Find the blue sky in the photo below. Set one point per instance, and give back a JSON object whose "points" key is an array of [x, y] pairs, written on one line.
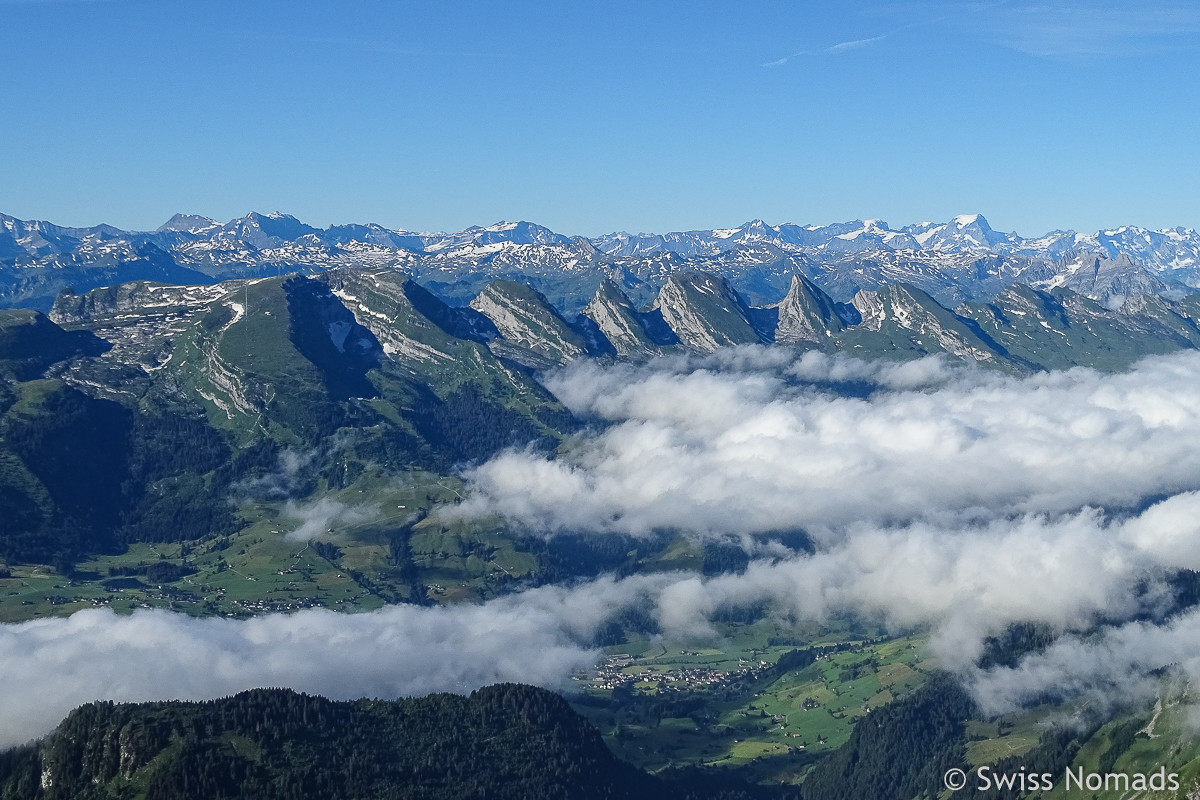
{"points": [[592, 117]]}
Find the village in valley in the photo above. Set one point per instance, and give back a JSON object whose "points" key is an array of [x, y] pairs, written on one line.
{"points": [[757, 699]]}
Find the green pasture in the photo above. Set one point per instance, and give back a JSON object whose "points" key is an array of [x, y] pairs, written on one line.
{"points": [[776, 725]]}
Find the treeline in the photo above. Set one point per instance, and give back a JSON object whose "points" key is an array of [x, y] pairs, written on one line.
{"points": [[1056, 750], [505, 741], [901, 750]]}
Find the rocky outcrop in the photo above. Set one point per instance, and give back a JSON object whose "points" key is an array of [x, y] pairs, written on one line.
{"points": [[526, 319], [619, 322], [806, 314], [705, 312]]}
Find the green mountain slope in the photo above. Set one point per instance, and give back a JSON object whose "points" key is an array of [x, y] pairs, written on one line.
{"points": [[903, 321], [1062, 329], [138, 413]]}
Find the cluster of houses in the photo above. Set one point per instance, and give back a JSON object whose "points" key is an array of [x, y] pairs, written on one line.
{"points": [[612, 674], [264, 606]]}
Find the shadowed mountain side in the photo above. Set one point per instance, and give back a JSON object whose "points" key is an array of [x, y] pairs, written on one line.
{"points": [[625, 328], [503, 741], [30, 343]]}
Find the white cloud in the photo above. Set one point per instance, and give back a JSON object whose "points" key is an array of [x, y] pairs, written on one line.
{"points": [[539, 637], [712, 449], [324, 516], [951, 498], [963, 582], [1083, 29], [1112, 668]]}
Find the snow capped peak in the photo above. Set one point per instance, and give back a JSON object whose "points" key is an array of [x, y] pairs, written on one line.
{"points": [[519, 232], [261, 230], [976, 220], [188, 223]]}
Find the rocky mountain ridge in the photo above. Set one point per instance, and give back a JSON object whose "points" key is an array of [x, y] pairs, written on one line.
{"points": [[961, 260]]}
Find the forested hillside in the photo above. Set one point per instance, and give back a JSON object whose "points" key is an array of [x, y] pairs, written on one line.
{"points": [[504, 741]]}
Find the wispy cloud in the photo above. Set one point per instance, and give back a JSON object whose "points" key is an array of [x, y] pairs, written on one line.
{"points": [[1068, 29], [842, 47], [854, 45], [1047, 29]]}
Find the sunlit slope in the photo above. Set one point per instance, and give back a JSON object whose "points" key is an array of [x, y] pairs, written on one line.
{"points": [[705, 312]]}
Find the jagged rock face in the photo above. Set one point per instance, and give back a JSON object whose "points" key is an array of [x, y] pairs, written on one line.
{"points": [[705, 312], [619, 322], [526, 319], [1108, 280], [424, 332], [806, 314], [207, 340], [905, 318], [870, 309]]}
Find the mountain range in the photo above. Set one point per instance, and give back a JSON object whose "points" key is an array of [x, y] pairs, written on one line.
{"points": [[960, 260], [200, 386], [133, 411], [130, 410]]}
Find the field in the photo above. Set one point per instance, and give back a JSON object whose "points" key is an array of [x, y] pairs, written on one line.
{"points": [[348, 565], [663, 705]]}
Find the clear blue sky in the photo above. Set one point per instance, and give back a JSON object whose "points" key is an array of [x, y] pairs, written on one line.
{"points": [[591, 117]]}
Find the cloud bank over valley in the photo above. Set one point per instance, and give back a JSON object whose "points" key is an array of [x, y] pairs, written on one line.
{"points": [[935, 496], [747, 442]]}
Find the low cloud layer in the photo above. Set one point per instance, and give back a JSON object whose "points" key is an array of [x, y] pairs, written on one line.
{"points": [[946, 497], [749, 445], [323, 515], [539, 637], [1113, 667], [966, 583]]}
